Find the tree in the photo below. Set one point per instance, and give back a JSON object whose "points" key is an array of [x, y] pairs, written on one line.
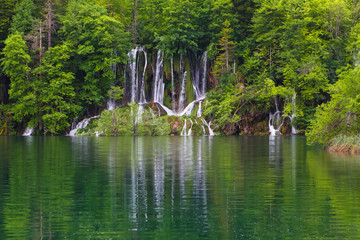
{"points": [[222, 64], [341, 114], [94, 37], [57, 95], [23, 19], [23, 87]]}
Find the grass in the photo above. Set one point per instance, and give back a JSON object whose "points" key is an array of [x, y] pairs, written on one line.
{"points": [[343, 143]]}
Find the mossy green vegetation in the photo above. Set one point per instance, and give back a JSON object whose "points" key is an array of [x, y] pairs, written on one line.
{"points": [[135, 120], [345, 144]]}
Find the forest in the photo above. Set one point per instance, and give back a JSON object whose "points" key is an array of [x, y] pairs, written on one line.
{"points": [[269, 66]]}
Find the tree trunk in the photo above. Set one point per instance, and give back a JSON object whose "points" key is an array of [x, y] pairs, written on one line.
{"points": [[49, 23], [134, 22]]}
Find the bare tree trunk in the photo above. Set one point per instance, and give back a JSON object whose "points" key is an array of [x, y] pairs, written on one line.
{"points": [[40, 43], [134, 22], [49, 22]]}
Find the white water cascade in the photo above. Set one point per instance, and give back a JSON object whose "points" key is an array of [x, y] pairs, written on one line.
{"points": [[293, 114], [159, 85], [182, 99], [81, 124], [275, 121], [136, 90], [172, 83], [110, 105], [199, 72], [28, 131]]}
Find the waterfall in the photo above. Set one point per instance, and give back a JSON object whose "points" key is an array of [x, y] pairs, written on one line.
{"points": [[28, 131], [182, 100], [81, 124], [199, 72], [275, 121], [136, 75], [211, 132], [172, 83], [293, 114], [132, 67], [183, 131], [142, 80], [199, 112], [110, 105], [158, 80], [189, 133]]}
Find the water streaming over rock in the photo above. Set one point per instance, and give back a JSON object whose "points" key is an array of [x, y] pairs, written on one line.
{"points": [[159, 85], [182, 99], [80, 125], [135, 88], [275, 120], [172, 84], [135, 84], [110, 105], [28, 131], [293, 114], [199, 74]]}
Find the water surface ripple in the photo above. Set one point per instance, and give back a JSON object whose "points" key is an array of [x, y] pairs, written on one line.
{"points": [[243, 187]]}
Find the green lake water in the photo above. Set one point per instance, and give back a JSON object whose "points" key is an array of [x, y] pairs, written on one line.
{"points": [[244, 187]]}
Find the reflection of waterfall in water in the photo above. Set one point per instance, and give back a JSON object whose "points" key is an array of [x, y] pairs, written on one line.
{"points": [[159, 179], [138, 195], [158, 167], [199, 188]]}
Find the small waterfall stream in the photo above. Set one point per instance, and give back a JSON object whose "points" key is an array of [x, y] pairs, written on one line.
{"points": [[275, 120], [136, 75], [293, 114], [158, 80], [81, 124], [28, 131]]}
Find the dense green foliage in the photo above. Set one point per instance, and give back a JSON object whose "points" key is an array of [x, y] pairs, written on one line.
{"points": [[58, 56]]}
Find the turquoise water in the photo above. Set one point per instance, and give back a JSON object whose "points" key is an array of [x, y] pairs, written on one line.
{"points": [[244, 187]]}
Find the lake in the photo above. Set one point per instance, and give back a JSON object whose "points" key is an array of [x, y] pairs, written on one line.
{"points": [[244, 187]]}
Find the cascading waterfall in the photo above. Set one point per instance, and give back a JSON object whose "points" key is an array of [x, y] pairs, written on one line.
{"points": [[199, 112], [182, 99], [172, 83], [293, 114], [81, 124], [211, 132], [199, 72], [159, 85], [136, 75], [135, 89], [110, 105], [275, 121], [28, 131], [183, 131]]}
